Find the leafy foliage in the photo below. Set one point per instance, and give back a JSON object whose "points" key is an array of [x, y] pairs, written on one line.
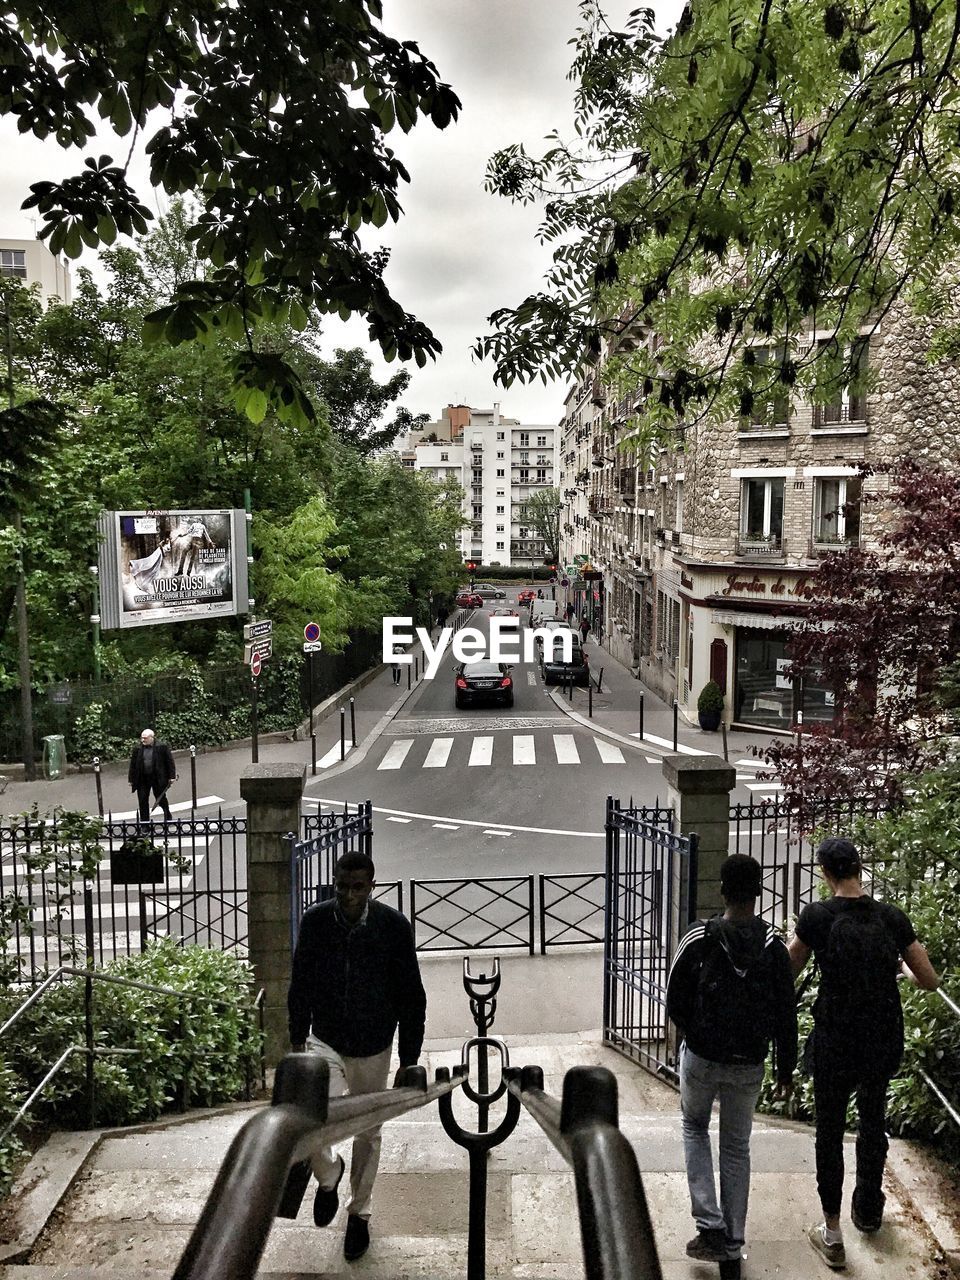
{"points": [[542, 511], [274, 118], [207, 1046], [879, 627], [764, 170]]}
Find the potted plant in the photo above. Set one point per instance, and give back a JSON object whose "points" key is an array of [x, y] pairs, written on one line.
{"points": [[710, 706]]}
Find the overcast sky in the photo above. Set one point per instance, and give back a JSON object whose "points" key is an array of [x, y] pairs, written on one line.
{"points": [[458, 253]]}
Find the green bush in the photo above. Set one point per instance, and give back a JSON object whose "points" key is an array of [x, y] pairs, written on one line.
{"points": [[212, 1042], [711, 697]]}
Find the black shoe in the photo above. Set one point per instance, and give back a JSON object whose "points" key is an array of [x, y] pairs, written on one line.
{"points": [[326, 1203], [730, 1269], [357, 1240], [868, 1223], [709, 1246]]}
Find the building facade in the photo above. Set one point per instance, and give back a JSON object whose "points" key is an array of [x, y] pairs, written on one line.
{"points": [[705, 554], [500, 463], [31, 262]]}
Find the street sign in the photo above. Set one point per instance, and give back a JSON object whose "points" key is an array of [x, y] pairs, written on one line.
{"points": [[564, 582], [312, 646], [261, 649], [257, 630], [311, 632], [256, 665]]}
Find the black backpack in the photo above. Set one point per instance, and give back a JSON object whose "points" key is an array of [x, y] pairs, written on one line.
{"points": [[859, 1004], [733, 1010]]}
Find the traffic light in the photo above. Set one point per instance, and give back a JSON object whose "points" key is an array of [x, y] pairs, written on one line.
{"points": [[471, 566]]}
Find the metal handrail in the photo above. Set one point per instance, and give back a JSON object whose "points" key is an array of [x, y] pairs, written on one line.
{"points": [[615, 1227], [931, 1084], [232, 1232]]}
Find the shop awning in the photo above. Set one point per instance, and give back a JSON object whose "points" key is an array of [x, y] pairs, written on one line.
{"points": [[761, 621]]}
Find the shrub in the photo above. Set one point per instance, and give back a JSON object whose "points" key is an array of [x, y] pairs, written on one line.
{"points": [[711, 697], [211, 1041]]}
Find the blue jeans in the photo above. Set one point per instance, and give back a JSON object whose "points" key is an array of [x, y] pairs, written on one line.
{"points": [[737, 1087]]}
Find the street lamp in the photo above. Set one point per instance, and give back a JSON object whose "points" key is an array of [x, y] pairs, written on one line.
{"points": [[23, 635]]}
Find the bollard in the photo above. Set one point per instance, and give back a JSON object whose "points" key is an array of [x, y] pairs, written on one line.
{"points": [[343, 733], [409, 678], [799, 729], [416, 666], [353, 722], [600, 681], [193, 776], [641, 717], [676, 718], [590, 700], [570, 687], [313, 754], [96, 774], [723, 734]]}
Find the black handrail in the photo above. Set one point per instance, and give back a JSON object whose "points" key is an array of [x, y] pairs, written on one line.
{"points": [[229, 1239], [615, 1227]]}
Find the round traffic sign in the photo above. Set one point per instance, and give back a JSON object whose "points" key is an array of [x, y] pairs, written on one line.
{"points": [[311, 631], [256, 665]]}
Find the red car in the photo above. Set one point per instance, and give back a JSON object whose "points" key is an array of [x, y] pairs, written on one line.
{"points": [[469, 600], [525, 597]]}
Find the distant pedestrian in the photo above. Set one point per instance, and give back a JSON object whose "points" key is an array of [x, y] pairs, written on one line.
{"points": [[569, 612], [584, 628], [355, 983], [151, 769], [442, 616], [395, 671], [729, 994], [860, 947], [539, 593]]}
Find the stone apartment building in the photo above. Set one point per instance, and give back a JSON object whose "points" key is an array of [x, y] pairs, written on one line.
{"points": [[705, 554], [499, 462], [31, 262]]}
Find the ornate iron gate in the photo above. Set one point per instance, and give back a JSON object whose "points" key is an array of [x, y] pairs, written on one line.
{"points": [[329, 834], [651, 878]]}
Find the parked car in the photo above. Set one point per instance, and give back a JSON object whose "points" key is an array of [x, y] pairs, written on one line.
{"points": [[469, 600], [551, 624], [490, 593], [483, 681], [577, 670]]}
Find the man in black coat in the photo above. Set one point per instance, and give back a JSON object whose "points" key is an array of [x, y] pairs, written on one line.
{"points": [[151, 768], [355, 981]]}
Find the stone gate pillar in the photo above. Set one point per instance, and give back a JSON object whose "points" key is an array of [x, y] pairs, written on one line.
{"points": [[698, 789], [273, 793]]}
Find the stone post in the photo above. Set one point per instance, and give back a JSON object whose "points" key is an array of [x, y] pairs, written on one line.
{"points": [[698, 789], [273, 793]]}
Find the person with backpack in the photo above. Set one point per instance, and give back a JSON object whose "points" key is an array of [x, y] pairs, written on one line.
{"points": [[860, 947], [729, 994]]}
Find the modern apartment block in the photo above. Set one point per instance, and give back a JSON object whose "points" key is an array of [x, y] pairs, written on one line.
{"points": [[499, 463], [705, 554], [31, 262]]}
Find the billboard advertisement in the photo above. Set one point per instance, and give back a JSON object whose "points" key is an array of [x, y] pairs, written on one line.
{"points": [[171, 566]]}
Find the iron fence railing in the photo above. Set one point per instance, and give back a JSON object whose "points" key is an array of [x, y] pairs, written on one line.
{"points": [[472, 914], [328, 835], [651, 896], [102, 888], [571, 909]]}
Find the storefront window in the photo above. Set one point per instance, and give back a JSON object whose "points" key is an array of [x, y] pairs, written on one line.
{"points": [[765, 694]]}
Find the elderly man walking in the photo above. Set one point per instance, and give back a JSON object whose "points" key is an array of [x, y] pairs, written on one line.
{"points": [[355, 981], [151, 769]]}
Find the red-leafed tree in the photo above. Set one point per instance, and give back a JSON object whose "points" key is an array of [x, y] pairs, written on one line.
{"points": [[883, 631]]}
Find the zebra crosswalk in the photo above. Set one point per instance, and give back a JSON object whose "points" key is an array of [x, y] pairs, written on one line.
{"points": [[485, 750]]}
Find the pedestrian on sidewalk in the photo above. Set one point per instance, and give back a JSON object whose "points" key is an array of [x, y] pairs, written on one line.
{"points": [[860, 947], [584, 628], [569, 612], [355, 981], [442, 616], [151, 769], [395, 670], [729, 994]]}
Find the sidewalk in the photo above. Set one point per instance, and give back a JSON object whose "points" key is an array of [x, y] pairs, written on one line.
{"points": [[617, 709]]}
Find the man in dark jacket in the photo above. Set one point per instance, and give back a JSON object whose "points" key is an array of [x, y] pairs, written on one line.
{"points": [[151, 768], [730, 993], [355, 981]]}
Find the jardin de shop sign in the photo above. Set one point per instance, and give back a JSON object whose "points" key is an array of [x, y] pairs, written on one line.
{"points": [[756, 586]]}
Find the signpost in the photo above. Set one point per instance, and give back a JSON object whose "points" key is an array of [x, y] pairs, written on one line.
{"points": [[257, 648], [311, 645], [257, 630]]}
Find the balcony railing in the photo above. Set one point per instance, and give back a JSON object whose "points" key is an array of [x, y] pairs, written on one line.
{"points": [[840, 415], [759, 547]]}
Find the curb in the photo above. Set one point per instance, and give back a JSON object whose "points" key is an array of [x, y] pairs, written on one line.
{"points": [[320, 712], [595, 727], [360, 753]]}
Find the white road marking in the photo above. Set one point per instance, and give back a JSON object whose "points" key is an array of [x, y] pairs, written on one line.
{"points": [[182, 806], [749, 764], [438, 754], [472, 822], [481, 751], [496, 831], [333, 755], [532, 678], [395, 819], [446, 826], [652, 759], [566, 748], [764, 786], [609, 753], [396, 754], [524, 749]]}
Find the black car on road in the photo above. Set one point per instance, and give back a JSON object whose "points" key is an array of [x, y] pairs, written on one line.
{"points": [[483, 681], [556, 671]]}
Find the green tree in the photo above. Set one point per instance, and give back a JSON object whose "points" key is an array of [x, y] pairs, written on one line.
{"points": [[356, 402], [274, 117], [542, 512], [763, 171]]}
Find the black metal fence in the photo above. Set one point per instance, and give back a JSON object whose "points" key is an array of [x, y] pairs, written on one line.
{"points": [[651, 877], [82, 886], [783, 839], [328, 834]]}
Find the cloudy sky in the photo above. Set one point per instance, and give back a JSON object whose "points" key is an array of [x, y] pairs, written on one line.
{"points": [[458, 253]]}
